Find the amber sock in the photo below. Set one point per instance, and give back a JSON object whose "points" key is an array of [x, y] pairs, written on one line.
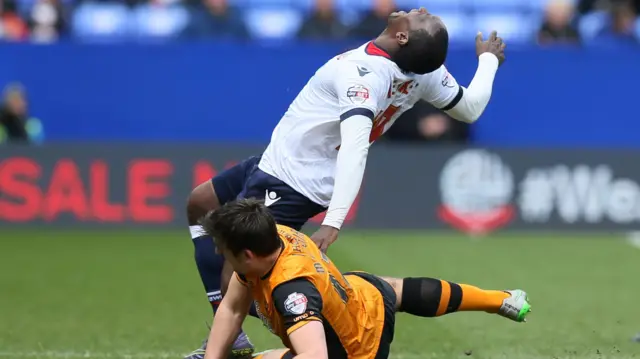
{"points": [[429, 297], [476, 299]]}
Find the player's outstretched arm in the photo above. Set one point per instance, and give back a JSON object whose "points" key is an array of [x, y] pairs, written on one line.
{"points": [[229, 318], [476, 97], [467, 104]]}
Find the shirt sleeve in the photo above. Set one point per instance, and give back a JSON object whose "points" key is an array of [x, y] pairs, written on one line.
{"points": [[441, 89], [360, 91], [298, 302]]}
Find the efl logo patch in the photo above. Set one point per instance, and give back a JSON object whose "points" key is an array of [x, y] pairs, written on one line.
{"points": [[358, 94], [296, 303]]}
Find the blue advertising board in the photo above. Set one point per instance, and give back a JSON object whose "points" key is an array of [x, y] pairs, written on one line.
{"points": [[233, 92]]}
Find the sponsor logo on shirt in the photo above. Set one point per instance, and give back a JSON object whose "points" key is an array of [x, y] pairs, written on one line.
{"points": [[303, 316]]}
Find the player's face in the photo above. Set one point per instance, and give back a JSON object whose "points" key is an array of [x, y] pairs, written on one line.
{"points": [[415, 19], [239, 262]]}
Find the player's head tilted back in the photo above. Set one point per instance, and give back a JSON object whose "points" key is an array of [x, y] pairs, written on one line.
{"points": [[417, 41], [245, 233]]}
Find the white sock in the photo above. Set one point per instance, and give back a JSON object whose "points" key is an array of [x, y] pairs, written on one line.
{"points": [[197, 231]]}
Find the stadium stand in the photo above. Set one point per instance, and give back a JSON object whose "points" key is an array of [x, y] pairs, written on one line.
{"points": [[519, 21]]}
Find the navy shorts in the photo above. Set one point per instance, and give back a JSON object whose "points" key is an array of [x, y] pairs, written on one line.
{"points": [[246, 180]]}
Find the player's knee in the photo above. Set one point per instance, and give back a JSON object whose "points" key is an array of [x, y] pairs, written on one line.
{"points": [[201, 200], [397, 285], [420, 296]]}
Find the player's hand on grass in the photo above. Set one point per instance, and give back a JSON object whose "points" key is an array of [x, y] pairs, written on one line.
{"points": [[324, 237], [494, 45]]}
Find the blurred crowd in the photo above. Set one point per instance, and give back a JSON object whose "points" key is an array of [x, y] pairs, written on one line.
{"points": [[525, 21], [605, 22]]}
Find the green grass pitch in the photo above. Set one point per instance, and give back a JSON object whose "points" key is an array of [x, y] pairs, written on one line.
{"points": [[136, 294]]}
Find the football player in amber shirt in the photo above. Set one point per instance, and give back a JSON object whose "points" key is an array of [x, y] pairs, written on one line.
{"points": [[315, 310]]}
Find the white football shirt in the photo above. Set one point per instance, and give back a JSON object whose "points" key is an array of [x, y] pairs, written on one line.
{"points": [[304, 145]]}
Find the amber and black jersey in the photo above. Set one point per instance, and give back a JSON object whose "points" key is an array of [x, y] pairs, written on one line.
{"points": [[304, 285]]}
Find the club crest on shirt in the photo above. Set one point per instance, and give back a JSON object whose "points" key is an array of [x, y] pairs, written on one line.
{"points": [[296, 303], [358, 94], [446, 81]]}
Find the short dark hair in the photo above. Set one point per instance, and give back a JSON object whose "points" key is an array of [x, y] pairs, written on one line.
{"points": [[425, 51], [244, 224]]}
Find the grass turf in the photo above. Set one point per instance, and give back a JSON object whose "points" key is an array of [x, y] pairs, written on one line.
{"points": [[136, 294]]}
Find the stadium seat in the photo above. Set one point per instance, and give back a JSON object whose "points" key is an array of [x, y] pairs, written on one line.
{"points": [[150, 21], [305, 5], [591, 24], [433, 6], [273, 23], [24, 6], [538, 6], [239, 3], [296, 4], [101, 21], [354, 5], [513, 26], [457, 24], [498, 5]]}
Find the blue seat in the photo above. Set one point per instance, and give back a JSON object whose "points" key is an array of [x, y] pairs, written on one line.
{"points": [[511, 26], [459, 26], [278, 3], [159, 22], [273, 23], [306, 5], [24, 6], [498, 5], [239, 3], [354, 5], [433, 6], [538, 5], [591, 24], [101, 21]]}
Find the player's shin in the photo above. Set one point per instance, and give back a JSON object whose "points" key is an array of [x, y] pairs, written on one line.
{"points": [[209, 264], [429, 297]]}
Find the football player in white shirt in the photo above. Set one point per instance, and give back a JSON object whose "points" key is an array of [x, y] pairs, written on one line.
{"points": [[316, 158]]}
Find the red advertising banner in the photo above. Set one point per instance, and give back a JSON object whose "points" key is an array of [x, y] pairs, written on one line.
{"points": [[105, 189], [465, 189]]}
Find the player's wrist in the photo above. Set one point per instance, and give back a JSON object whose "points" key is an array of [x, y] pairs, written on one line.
{"points": [[334, 223], [489, 59]]}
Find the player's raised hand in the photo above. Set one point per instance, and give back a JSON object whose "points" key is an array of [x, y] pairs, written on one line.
{"points": [[494, 45], [324, 237]]}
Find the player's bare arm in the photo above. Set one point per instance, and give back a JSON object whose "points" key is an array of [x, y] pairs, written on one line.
{"points": [[309, 341], [229, 318], [476, 97], [299, 304]]}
